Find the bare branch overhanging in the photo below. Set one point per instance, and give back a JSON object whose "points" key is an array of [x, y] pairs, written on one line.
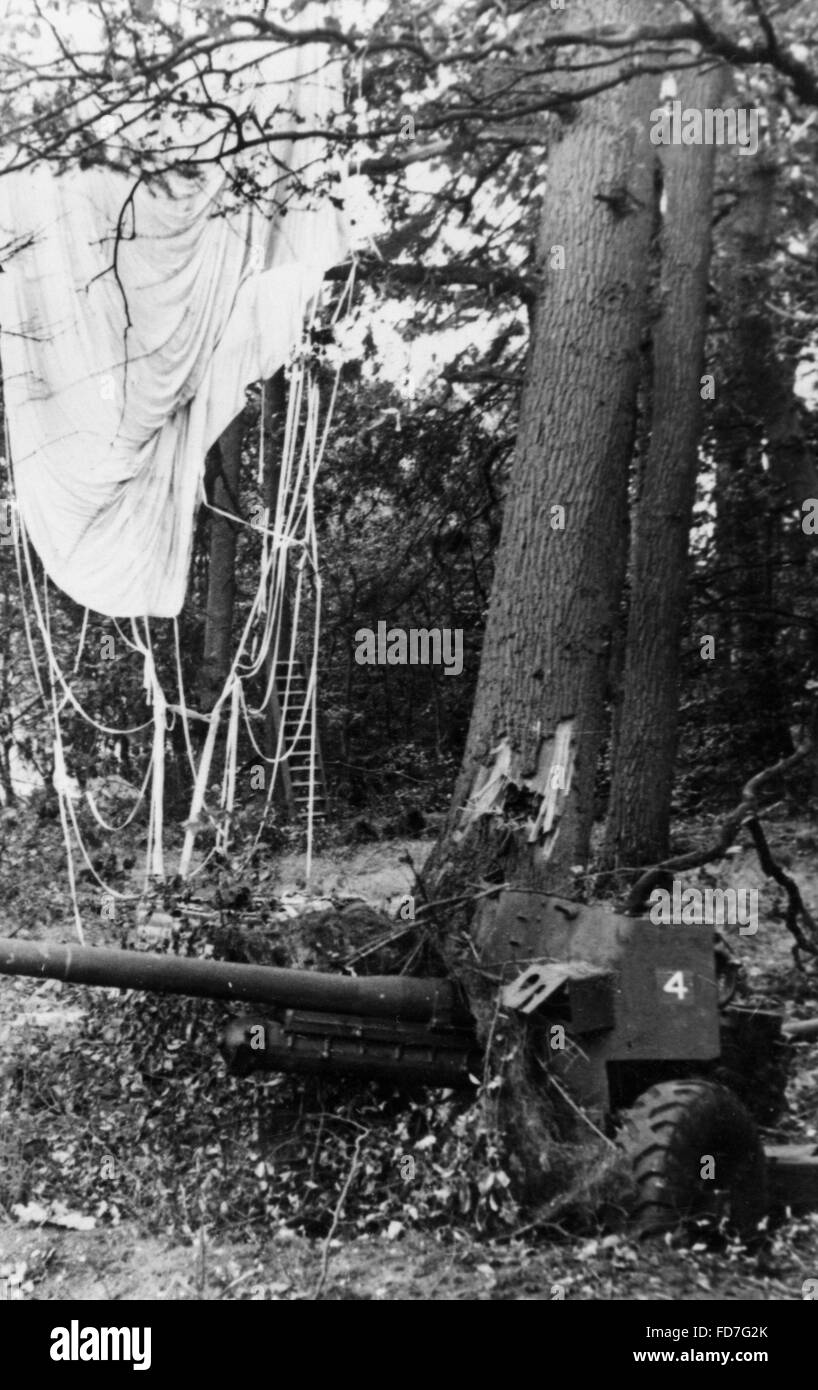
{"points": [[101, 76]]}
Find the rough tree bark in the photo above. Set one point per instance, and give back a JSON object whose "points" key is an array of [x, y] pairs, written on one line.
{"points": [[523, 804], [645, 745], [752, 403]]}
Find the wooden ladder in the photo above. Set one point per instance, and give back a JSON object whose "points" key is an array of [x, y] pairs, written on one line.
{"points": [[295, 768]]}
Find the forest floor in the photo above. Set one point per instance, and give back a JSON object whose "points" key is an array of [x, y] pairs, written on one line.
{"points": [[157, 1224]]}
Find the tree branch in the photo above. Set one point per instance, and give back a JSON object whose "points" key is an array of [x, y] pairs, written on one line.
{"points": [[500, 282], [795, 903], [743, 812]]}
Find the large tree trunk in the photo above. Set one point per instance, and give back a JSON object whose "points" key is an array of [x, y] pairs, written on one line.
{"points": [[221, 584], [523, 803], [645, 747], [750, 421]]}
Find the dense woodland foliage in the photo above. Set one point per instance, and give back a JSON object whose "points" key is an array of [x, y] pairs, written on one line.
{"points": [[450, 122], [576, 419]]}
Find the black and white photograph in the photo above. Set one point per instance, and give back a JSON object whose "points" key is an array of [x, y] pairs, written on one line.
{"points": [[409, 670]]}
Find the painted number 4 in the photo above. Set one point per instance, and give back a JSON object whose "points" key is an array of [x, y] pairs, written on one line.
{"points": [[676, 984]]}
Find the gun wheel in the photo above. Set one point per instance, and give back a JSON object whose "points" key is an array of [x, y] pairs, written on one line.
{"points": [[697, 1161]]}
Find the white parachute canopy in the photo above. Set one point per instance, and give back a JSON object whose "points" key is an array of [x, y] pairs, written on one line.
{"points": [[133, 315]]}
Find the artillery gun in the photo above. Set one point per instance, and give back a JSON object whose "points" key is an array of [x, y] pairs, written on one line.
{"points": [[638, 1027]]}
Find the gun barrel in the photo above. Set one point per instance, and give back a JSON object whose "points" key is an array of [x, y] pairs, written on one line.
{"points": [[373, 996]]}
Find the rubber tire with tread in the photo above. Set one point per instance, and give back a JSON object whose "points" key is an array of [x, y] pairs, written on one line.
{"points": [[667, 1133]]}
